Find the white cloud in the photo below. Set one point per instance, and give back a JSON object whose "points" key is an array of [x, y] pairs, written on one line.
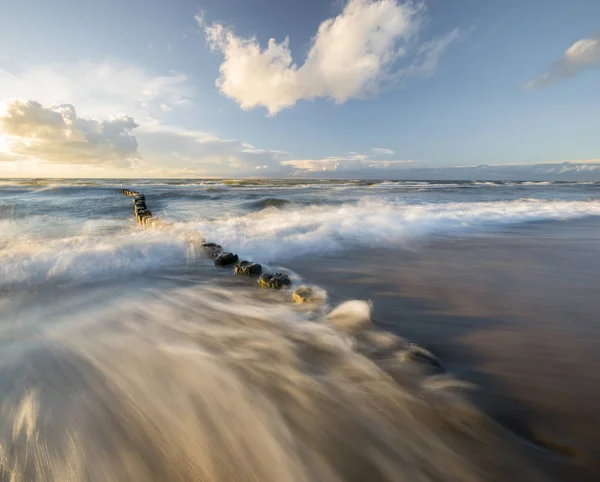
{"points": [[206, 153], [382, 152], [353, 162], [98, 89], [352, 55], [582, 54], [56, 134], [48, 135]]}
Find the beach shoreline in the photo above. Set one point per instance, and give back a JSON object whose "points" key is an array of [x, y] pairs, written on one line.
{"points": [[513, 312]]}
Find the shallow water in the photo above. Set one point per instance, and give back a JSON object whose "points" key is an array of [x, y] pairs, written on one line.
{"points": [[126, 355]]}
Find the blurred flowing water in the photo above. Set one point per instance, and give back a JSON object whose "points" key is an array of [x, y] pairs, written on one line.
{"points": [[126, 355]]}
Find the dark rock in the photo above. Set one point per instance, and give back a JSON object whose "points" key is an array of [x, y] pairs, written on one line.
{"points": [[150, 221], [248, 268], [225, 258], [211, 249], [127, 192], [302, 294], [141, 215], [275, 281]]}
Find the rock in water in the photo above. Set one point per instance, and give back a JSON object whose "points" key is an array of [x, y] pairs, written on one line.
{"points": [[248, 268], [142, 213], [127, 192], [211, 249], [302, 294], [275, 281], [225, 259], [150, 221]]}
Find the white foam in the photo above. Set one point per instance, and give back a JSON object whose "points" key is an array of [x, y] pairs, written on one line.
{"points": [[89, 253], [93, 249], [280, 234]]}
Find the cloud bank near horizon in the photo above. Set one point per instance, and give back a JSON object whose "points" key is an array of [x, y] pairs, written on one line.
{"points": [[588, 170]]}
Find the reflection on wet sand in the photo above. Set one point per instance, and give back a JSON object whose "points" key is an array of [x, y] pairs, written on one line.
{"points": [[517, 313]]}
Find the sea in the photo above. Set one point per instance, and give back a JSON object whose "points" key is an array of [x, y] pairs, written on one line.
{"points": [[453, 333]]}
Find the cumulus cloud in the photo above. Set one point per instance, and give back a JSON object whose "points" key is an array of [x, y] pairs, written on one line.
{"points": [[208, 154], [56, 134], [582, 54], [352, 55]]}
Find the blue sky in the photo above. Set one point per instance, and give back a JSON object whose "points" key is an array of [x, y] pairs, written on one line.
{"points": [[187, 88]]}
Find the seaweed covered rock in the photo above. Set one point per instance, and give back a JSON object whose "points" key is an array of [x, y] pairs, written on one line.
{"points": [[211, 249], [303, 294], [225, 259], [275, 281], [248, 268]]}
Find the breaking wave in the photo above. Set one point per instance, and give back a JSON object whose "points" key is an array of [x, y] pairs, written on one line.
{"points": [[36, 249], [276, 235]]}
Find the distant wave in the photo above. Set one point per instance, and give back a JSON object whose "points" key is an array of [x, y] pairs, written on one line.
{"points": [[252, 184], [268, 202]]}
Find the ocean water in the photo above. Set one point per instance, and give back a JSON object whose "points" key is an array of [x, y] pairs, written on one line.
{"points": [[126, 355]]}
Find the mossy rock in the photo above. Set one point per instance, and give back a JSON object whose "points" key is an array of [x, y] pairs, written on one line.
{"points": [[225, 258], [275, 281], [302, 294], [248, 268]]}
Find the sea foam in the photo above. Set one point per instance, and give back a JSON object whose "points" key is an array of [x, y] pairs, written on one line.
{"points": [[31, 250]]}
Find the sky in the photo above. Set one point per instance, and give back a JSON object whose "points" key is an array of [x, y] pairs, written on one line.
{"points": [[305, 88]]}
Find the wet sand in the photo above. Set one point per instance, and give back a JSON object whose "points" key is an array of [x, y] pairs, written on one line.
{"points": [[517, 313]]}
